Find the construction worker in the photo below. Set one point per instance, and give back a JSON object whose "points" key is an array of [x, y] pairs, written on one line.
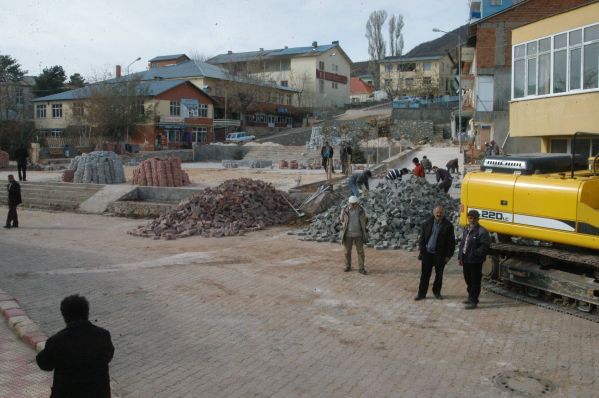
{"points": [[418, 168], [353, 230], [444, 179], [359, 181], [396, 174]]}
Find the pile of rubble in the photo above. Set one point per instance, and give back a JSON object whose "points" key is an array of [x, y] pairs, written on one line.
{"points": [[160, 173], [232, 208], [99, 167], [3, 159], [396, 211]]}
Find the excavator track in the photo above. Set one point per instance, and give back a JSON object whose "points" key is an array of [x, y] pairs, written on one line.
{"points": [[552, 278]]}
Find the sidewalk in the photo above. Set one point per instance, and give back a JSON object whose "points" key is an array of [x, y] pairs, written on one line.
{"points": [[19, 375]]}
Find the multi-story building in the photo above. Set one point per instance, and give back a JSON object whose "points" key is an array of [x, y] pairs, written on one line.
{"points": [[319, 73], [224, 102], [555, 81], [492, 72], [484, 8], [420, 76], [15, 99]]}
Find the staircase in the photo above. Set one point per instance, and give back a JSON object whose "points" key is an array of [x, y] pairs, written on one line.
{"points": [[53, 195]]}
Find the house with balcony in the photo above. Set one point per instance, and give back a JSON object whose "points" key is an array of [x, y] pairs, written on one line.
{"points": [[180, 114], [320, 74], [555, 81], [422, 76], [492, 39]]}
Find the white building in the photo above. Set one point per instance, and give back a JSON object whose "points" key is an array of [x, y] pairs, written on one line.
{"points": [[320, 73]]}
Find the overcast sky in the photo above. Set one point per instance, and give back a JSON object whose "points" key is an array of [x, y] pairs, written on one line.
{"points": [[91, 36]]}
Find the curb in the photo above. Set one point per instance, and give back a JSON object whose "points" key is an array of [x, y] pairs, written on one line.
{"points": [[17, 320]]}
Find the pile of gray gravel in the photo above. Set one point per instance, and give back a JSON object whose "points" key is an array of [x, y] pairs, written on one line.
{"points": [[396, 211], [98, 167]]}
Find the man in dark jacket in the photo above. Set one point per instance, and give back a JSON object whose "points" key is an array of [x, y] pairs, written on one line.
{"points": [[21, 156], [436, 244], [346, 158], [444, 179], [359, 181], [14, 199], [474, 247], [78, 354], [327, 157]]}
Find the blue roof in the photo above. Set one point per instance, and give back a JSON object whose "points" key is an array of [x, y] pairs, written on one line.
{"points": [[168, 57], [265, 54], [145, 88]]}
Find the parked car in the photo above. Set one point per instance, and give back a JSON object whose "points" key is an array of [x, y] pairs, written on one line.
{"points": [[239, 137]]}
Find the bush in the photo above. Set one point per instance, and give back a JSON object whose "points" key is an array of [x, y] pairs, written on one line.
{"points": [[357, 155]]}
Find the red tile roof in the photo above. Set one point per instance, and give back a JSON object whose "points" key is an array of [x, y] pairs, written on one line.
{"points": [[357, 86]]}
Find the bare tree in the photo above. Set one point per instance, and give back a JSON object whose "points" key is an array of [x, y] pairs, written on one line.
{"points": [[396, 25], [197, 56], [376, 42]]}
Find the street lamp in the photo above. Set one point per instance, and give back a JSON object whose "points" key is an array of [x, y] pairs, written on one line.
{"points": [[459, 82], [128, 110]]}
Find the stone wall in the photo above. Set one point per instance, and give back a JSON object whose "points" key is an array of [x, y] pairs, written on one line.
{"points": [[219, 152], [413, 129]]}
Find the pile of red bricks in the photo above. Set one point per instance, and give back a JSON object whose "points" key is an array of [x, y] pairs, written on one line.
{"points": [[230, 209], [160, 173], [3, 159], [68, 175]]}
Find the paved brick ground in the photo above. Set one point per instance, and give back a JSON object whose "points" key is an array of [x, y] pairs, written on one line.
{"points": [[19, 375], [267, 315]]}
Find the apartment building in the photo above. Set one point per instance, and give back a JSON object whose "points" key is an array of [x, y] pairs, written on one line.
{"points": [[555, 81], [419, 76], [319, 73]]}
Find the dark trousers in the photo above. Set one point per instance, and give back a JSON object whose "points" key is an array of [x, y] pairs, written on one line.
{"points": [[430, 261], [473, 275], [445, 185], [22, 169], [12, 216]]}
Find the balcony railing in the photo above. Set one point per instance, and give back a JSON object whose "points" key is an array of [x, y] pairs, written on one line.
{"points": [[226, 123]]}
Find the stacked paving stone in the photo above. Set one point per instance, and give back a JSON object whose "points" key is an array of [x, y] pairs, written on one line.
{"points": [[396, 211], [99, 167], [230, 209], [159, 172], [3, 159]]}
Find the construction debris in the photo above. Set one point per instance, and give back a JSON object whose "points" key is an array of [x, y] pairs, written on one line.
{"points": [[99, 167], [159, 172], [3, 159], [230, 209], [396, 211]]}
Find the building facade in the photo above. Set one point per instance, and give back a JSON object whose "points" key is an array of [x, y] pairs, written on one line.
{"points": [[320, 74], [555, 81], [417, 76]]}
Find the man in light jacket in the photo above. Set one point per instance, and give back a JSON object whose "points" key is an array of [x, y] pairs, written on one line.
{"points": [[353, 231]]}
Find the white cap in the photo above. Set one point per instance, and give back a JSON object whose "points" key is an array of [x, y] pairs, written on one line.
{"points": [[353, 199]]}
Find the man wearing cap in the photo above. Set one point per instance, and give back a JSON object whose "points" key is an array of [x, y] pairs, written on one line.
{"points": [[353, 230], [474, 247], [436, 244]]}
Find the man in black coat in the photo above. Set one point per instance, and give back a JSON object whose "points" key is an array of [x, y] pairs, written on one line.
{"points": [[79, 354], [436, 244], [474, 247], [444, 179], [21, 156], [14, 199]]}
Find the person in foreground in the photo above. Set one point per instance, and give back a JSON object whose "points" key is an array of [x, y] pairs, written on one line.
{"points": [[79, 354], [436, 244], [353, 230], [474, 247]]}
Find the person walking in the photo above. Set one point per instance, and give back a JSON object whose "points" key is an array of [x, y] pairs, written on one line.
{"points": [[345, 157], [436, 245], [326, 152], [14, 199], [418, 168], [353, 231], [21, 156], [359, 181], [474, 246], [444, 179], [79, 354]]}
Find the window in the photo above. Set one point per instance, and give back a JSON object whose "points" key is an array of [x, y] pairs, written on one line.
{"points": [[19, 96], [409, 82], [427, 80], [203, 110], [173, 135], [335, 68], [388, 68], [321, 86], [595, 147], [495, 2], [583, 147], [40, 111], [427, 66], [289, 99], [140, 108], [284, 83], [56, 111], [55, 133], [175, 108], [559, 146], [321, 65], [77, 109], [562, 63], [200, 135], [285, 64], [406, 67], [334, 85]]}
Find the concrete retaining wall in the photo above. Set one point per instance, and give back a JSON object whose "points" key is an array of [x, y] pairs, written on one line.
{"points": [[219, 152]]}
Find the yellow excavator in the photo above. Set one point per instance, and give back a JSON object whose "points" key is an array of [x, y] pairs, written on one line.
{"points": [[544, 210]]}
